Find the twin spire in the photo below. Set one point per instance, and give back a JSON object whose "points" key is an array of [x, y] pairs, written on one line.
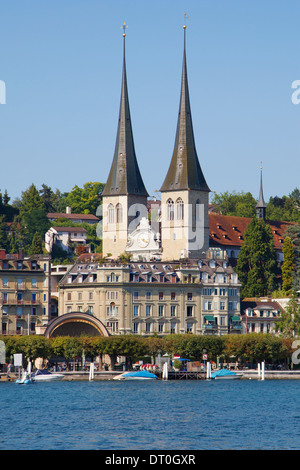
{"points": [[184, 172]]}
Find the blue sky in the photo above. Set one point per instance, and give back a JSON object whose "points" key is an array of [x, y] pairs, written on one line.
{"points": [[61, 62]]}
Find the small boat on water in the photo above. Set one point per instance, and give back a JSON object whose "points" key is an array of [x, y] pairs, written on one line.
{"points": [[226, 374], [43, 375], [138, 375], [26, 379]]}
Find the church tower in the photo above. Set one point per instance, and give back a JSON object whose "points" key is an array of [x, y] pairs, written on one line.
{"points": [[124, 198], [184, 193], [261, 205]]}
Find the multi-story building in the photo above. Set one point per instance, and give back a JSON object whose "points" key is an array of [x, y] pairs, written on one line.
{"points": [[260, 315], [200, 297], [24, 293]]}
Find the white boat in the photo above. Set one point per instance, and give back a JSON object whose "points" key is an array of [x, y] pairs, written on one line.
{"points": [[139, 375], [225, 374], [43, 375]]}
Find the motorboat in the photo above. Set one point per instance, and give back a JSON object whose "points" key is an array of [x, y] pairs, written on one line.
{"points": [[226, 374], [43, 375], [138, 375]]}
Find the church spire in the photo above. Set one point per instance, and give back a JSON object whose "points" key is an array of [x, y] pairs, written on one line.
{"points": [[184, 172], [124, 177], [261, 205]]}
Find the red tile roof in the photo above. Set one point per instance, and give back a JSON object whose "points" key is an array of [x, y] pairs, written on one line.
{"points": [[63, 215], [229, 230]]}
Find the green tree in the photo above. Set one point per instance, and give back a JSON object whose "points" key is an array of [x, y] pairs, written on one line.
{"points": [[237, 204], [256, 264], [294, 233], [85, 200], [4, 242], [289, 322], [288, 265], [37, 245]]}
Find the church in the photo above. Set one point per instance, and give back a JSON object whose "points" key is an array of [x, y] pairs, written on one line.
{"points": [[184, 227], [158, 274]]}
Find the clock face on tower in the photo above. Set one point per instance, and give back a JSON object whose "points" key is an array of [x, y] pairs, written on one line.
{"points": [[143, 239]]}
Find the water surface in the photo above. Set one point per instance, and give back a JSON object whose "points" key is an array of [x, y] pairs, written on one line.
{"points": [[159, 415]]}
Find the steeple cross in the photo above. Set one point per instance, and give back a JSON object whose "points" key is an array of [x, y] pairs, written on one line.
{"points": [[124, 27]]}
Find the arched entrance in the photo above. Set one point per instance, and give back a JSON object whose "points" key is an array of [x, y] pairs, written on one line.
{"points": [[75, 324]]}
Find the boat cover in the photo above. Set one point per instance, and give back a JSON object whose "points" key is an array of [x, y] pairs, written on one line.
{"points": [[141, 373], [222, 373]]}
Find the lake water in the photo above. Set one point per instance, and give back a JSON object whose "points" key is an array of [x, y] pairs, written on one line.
{"points": [[159, 415]]}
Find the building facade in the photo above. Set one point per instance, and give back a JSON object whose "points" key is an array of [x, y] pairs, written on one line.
{"points": [[24, 293], [200, 297]]}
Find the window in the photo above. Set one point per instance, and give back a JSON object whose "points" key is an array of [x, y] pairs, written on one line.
{"points": [[19, 297], [148, 327], [135, 295], [119, 214], [33, 297], [173, 310], [91, 309], [160, 327], [79, 295], [190, 296], [33, 282], [206, 291], [173, 295], [20, 283], [223, 321], [136, 309], [19, 311], [148, 295], [222, 291], [111, 214], [170, 209], [160, 310], [148, 310], [135, 327], [189, 311], [33, 310], [91, 295], [179, 209], [172, 328], [189, 327], [160, 296], [207, 305], [233, 292], [4, 310], [222, 305], [4, 297]]}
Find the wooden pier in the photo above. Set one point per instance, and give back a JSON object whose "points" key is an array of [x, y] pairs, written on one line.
{"points": [[184, 375]]}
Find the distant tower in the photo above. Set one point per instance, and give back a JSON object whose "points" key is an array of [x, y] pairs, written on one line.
{"points": [[184, 193], [261, 206], [124, 196]]}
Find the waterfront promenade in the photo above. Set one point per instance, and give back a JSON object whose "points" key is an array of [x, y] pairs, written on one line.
{"points": [[248, 374]]}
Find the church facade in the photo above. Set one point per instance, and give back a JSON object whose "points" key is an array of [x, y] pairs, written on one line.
{"points": [[156, 276]]}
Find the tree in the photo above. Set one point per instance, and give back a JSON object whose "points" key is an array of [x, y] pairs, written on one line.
{"points": [[287, 267], [4, 242], [289, 322], [236, 204], [256, 264], [37, 245], [85, 200], [294, 233]]}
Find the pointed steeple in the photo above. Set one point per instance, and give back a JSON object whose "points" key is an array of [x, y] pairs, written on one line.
{"points": [[124, 177], [261, 205], [184, 172]]}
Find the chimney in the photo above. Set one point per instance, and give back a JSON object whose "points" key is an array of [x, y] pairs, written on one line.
{"points": [[68, 210]]}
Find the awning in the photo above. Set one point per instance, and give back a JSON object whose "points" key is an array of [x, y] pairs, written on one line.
{"points": [[235, 318], [209, 318]]}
